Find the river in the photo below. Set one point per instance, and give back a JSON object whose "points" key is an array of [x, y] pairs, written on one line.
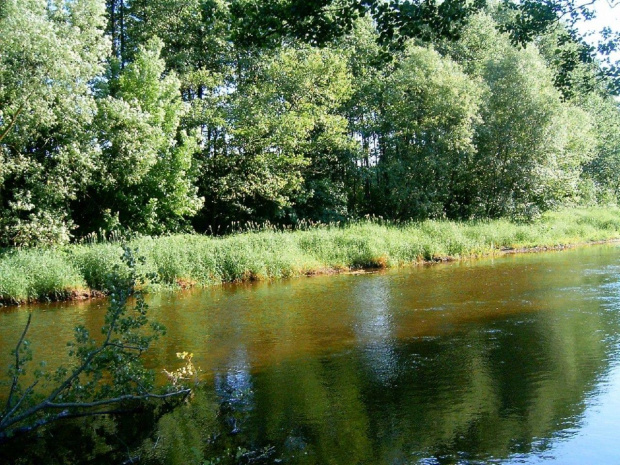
{"points": [[506, 360]]}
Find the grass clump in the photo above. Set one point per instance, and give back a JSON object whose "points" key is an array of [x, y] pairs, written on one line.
{"points": [[259, 254], [38, 274]]}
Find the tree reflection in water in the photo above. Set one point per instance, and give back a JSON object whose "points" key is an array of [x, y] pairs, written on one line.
{"points": [[503, 366]]}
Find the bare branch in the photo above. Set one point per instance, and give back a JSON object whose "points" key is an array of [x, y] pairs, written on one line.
{"points": [[127, 347], [115, 400]]}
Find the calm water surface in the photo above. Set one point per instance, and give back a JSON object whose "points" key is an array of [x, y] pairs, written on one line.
{"points": [[512, 360]]}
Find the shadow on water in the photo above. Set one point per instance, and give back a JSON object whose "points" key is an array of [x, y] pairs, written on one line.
{"points": [[512, 360]]}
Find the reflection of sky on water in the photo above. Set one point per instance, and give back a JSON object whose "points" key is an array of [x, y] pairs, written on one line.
{"points": [[374, 327], [595, 439], [235, 384], [594, 436]]}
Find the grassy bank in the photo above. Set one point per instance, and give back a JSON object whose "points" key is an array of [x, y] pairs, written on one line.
{"points": [[187, 260]]}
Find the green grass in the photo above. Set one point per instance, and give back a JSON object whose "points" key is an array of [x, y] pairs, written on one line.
{"points": [[186, 260], [27, 275]]}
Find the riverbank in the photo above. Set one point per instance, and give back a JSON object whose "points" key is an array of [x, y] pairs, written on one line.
{"points": [[79, 271]]}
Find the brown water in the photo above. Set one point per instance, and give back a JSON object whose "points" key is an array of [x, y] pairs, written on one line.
{"points": [[512, 360]]}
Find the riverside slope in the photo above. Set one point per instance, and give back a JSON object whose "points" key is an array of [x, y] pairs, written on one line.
{"points": [[80, 270]]}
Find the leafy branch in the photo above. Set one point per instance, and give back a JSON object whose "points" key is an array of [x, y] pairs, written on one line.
{"points": [[104, 374]]}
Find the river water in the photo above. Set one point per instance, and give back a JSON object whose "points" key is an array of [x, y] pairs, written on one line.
{"points": [[506, 360]]}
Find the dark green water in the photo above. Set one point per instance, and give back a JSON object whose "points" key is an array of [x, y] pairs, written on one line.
{"points": [[513, 360]]}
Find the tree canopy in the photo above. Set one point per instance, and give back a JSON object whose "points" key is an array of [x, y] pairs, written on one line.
{"points": [[165, 116]]}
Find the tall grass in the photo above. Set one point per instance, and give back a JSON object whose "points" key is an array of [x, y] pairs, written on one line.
{"points": [[27, 275], [267, 253]]}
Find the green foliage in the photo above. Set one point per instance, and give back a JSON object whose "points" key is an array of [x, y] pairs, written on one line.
{"points": [[152, 117], [195, 32], [531, 146], [49, 55], [265, 23], [287, 111], [515, 140], [556, 21], [575, 72], [604, 167], [283, 127], [146, 174], [431, 108]]}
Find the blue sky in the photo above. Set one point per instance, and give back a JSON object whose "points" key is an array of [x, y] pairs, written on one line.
{"points": [[606, 16]]}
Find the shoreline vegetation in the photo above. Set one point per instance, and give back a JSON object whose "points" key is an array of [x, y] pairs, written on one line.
{"points": [[80, 271]]}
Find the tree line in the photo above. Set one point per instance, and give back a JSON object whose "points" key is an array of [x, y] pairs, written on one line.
{"points": [[162, 116]]}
